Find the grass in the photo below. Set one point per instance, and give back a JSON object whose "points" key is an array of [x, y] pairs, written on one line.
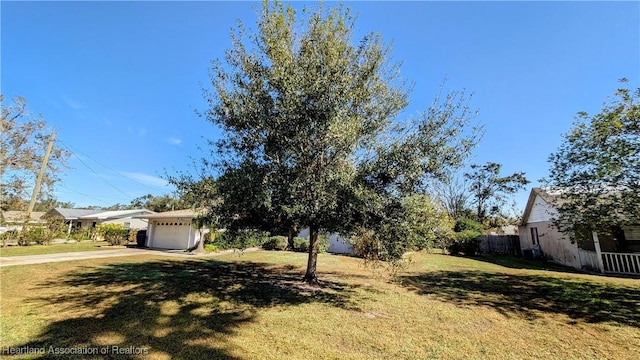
{"points": [[55, 248], [254, 306]]}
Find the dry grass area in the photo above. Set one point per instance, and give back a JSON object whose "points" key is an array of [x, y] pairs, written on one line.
{"points": [[253, 306]]}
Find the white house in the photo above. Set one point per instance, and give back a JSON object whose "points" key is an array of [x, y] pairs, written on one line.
{"points": [[337, 243], [14, 220], [127, 218], [69, 216], [82, 218], [172, 230], [618, 252]]}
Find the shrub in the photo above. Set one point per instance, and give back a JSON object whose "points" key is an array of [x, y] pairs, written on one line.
{"points": [[366, 245], [5, 237], [114, 234], [240, 239], [222, 240], [132, 236], [211, 248], [466, 235], [79, 234], [207, 237], [465, 242], [40, 234], [323, 243], [300, 244], [471, 247], [9, 235], [465, 238], [463, 224], [33, 234], [275, 243], [454, 248]]}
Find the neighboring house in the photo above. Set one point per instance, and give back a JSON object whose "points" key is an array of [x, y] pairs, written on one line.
{"points": [[617, 253], [13, 220], [69, 216], [172, 230], [506, 230], [129, 219], [337, 244], [82, 218]]}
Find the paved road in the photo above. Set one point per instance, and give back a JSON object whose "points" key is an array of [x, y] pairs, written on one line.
{"points": [[81, 255], [84, 255]]}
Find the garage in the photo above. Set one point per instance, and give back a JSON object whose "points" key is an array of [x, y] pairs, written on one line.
{"points": [[172, 234], [172, 230]]}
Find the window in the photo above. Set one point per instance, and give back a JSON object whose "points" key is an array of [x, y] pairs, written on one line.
{"points": [[79, 224], [534, 236], [93, 224]]}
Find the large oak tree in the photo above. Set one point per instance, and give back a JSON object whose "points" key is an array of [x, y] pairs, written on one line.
{"points": [[310, 130], [596, 170]]}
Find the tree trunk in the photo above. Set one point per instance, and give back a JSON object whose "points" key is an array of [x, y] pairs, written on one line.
{"points": [[310, 277], [200, 248], [293, 231], [481, 212]]}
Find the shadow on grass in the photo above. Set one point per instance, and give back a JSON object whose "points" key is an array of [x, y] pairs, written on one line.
{"points": [[173, 309], [514, 262], [531, 295]]}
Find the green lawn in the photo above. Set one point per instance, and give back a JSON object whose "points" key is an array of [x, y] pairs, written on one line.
{"points": [[55, 248], [253, 306]]}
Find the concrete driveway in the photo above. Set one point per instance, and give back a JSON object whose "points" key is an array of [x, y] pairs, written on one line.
{"points": [[84, 255]]}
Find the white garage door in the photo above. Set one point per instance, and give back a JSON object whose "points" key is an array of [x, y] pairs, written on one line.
{"points": [[171, 235]]}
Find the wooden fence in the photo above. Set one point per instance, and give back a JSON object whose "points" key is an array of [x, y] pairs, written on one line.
{"points": [[500, 244]]}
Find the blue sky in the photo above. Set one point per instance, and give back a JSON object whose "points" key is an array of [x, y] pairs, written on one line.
{"points": [[120, 81]]}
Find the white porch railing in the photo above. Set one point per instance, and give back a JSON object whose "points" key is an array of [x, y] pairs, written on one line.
{"points": [[623, 263], [620, 263]]}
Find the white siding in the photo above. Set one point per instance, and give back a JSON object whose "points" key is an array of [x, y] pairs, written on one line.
{"points": [[139, 224], [541, 211], [338, 245], [552, 244]]}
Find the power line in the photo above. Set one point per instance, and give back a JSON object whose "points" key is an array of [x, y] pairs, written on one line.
{"points": [[89, 196], [100, 176], [107, 167]]}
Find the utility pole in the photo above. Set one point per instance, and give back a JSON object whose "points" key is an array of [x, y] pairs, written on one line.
{"points": [[43, 169]]}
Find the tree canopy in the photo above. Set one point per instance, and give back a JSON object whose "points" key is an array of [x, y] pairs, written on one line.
{"points": [[158, 203], [23, 141], [490, 189], [453, 191], [596, 170], [311, 130]]}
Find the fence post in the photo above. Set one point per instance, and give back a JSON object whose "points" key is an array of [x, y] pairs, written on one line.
{"points": [[596, 244]]}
